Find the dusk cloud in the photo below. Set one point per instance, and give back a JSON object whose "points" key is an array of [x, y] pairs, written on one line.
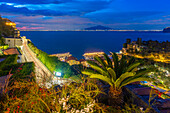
{"points": [[35, 1], [78, 14], [26, 11]]}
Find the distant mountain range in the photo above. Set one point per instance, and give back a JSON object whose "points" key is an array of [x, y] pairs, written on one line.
{"points": [[166, 30], [99, 27]]}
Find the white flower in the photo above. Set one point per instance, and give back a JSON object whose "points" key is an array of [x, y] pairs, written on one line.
{"points": [[141, 109], [77, 111]]}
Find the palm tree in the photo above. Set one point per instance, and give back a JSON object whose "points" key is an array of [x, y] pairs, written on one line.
{"points": [[117, 74]]}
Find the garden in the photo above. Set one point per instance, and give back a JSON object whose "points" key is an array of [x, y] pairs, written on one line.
{"points": [[101, 90]]}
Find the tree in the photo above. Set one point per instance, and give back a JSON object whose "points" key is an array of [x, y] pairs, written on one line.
{"points": [[2, 41], [117, 74], [125, 45], [139, 41], [128, 41]]}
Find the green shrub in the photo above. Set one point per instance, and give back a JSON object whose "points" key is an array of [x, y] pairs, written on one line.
{"points": [[19, 71], [29, 97], [4, 47], [51, 62], [11, 59]]}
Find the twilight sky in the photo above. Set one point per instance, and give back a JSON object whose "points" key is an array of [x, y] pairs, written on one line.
{"points": [[79, 14]]}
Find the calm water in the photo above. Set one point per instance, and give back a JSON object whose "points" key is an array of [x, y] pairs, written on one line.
{"points": [[79, 42]]}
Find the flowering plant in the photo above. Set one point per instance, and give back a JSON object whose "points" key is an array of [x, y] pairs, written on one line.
{"points": [[73, 97]]}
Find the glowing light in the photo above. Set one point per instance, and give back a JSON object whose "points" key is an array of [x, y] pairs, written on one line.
{"points": [[10, 23], [57, 74]]}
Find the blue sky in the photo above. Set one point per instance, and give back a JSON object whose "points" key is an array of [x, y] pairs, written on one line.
{"points": [[79, 14]]}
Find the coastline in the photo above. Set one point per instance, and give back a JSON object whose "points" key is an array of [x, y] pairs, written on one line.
{"points": [[100, 30], [80, 42]]}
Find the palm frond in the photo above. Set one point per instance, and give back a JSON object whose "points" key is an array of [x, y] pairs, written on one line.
{"points": [[112, 73], [101, 77], [123, 77], [109, 62], [131, 61], [116, 63], [122, 65], [97, 68], [100, 61], [89, 72], [144, 71], [132, 66], [130, 80]]}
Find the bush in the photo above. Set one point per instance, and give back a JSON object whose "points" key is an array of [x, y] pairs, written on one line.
{"points": [[11, 59], [19, 71], [70, 98], [52, 63], [4, 47]]}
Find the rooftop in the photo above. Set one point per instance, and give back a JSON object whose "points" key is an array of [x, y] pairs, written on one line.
{"points": [[71, 58], [12, 51], [62, 54]]}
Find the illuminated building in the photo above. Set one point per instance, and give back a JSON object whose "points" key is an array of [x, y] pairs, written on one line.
{"points": [[11, 24], [83, 62], [62, 56], [90, 56], [16, 33], [15, 40], [72, 60]]}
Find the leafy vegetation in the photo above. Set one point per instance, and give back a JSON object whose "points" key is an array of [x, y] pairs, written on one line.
{"points": [[70, 98], [52, 63], [4, 47], [122, 73], [27, 96], [19, 71], [11, 59]]}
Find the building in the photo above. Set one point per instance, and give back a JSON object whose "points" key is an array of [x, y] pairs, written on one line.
{"points": [[124, 50], [62, 56], [13, 42], [12, 51], [90, 56], [16, 33], [72, 61], [13, 25], [84, 62]]}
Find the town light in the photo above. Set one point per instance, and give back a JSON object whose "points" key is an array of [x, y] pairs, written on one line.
{"points": [[10, 23], [57, 74]]}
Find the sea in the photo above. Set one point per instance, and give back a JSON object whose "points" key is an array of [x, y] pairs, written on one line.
{"points": [[80, 42]]}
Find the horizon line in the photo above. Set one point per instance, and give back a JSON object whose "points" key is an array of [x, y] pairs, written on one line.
{"points": [[93, 30]]}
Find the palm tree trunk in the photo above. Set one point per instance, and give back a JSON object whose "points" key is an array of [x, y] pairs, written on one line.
{"points": [[115, 97]]}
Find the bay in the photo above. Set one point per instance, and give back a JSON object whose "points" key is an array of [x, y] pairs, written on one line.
{"points": [[79, 42]]}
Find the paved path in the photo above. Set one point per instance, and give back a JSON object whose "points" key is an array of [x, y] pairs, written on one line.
{"points": [[41, 71]]}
